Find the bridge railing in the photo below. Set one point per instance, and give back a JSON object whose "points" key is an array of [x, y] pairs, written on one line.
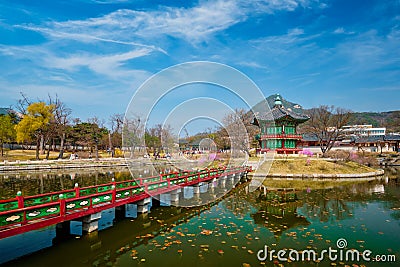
{"points": [[23, 210]]}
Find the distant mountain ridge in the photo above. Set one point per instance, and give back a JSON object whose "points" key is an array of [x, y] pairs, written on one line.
{"points": [[271, 102], [388, 119]]}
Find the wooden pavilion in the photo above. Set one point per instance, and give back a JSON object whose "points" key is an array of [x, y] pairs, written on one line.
{"points": [[279, 129]]}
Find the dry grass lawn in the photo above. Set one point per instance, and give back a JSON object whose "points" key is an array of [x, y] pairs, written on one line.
{"points": [[317, 166]]}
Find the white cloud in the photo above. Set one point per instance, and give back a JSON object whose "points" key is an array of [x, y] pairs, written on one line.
{"points": [[195, 24], [295, 32], [254, 64], [107, 64], [339, 30]]}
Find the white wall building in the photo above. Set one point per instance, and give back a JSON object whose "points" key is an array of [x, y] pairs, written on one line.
{"points": [[363, 130]]}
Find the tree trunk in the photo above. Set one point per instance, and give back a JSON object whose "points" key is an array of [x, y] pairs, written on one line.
{"points": [[2, 149], [37, 147], [97, 151], [110, 144], [60, 156], [48, 153], [41, 144], [132, 151]]}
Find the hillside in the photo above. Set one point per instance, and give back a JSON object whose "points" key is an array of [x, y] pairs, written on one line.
{"points": [[271, 101], [390, 119]]}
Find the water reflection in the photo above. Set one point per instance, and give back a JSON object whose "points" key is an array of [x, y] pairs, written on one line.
{"points": [[230, 231]]}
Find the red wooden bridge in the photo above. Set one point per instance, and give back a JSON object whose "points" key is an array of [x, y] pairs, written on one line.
{"points": [[23, 214]]}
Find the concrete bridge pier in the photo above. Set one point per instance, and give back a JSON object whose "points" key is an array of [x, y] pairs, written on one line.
{"points": [[222, 182], [211, 186], [143, 205], [90, 222], [212, 183], [196, 189], [230, 181], [130, 210], [174, 196], [237, 178]]}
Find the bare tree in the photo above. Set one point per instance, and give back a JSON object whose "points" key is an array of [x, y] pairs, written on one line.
{"points": [[326, 124], [133, 133], [115, 135], [97, 130], [117, 121], [167, 137], [239, 129], [61, 119], [23, 104]]}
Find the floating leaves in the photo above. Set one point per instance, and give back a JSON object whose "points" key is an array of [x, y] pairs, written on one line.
{"points": [[206, 232]]}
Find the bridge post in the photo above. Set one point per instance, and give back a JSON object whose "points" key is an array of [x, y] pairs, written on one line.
{"points": [[174, 195], [236, 179], [222, 181], [196, 189], [62, 204], [212, 183], [76, 190], [143, 205], [90, 222], [20, 199]]}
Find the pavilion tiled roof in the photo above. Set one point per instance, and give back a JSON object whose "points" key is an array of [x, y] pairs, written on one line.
{"points": [[374, 139], [392, 137], [369, 139], [279, 112]]}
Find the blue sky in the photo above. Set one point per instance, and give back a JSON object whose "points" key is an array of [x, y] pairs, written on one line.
{"points": [[95, 53]]}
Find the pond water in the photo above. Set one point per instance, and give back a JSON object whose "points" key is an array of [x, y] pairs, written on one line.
{"points": [[236, 230]]}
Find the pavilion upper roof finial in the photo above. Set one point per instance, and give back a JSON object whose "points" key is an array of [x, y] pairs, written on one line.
{"points": [[278, 102]]}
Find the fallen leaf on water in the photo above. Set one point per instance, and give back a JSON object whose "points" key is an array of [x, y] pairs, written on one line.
{"points": [[206, 232]]}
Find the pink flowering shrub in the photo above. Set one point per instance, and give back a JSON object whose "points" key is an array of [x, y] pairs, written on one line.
{"points": [[307, 152]]}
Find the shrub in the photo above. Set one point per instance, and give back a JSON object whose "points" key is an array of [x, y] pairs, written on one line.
{"points": [[339, 154], [307, 152]]}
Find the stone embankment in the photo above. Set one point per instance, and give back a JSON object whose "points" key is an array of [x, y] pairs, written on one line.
{"points": [[392, 160], [321, 176], [63, 164]]}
